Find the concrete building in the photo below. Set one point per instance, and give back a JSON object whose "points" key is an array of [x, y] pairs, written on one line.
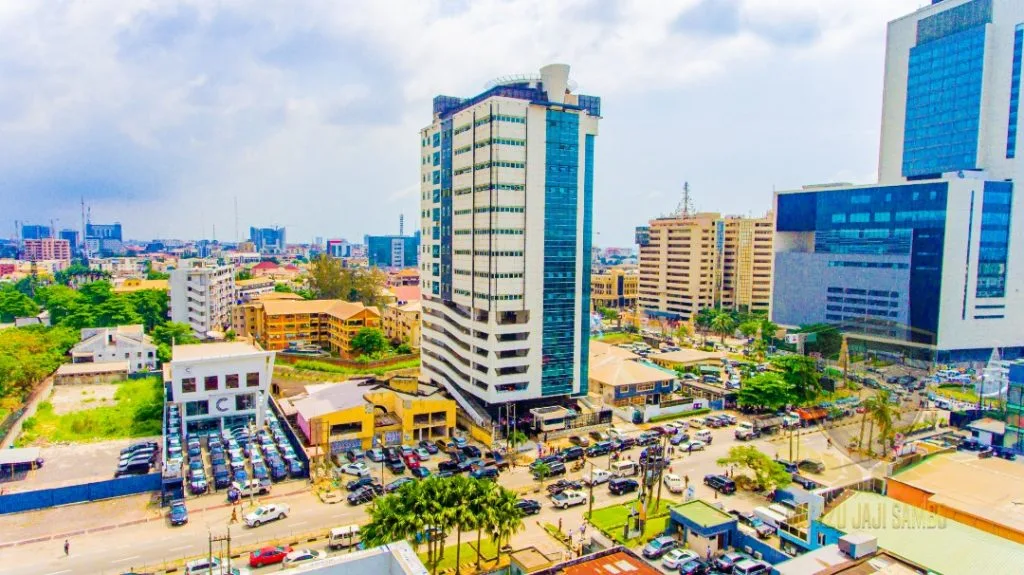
{"points": [[614, 289], [507, 204], [359, 415], [397, 558], [248, 290], [104, 240], [279, 323], [124, 343], [202, 293], [1013, 433], [693, 262], [47, 249], [401, 322], [619, 379], [130, 285], [220, 384], [268, 240], [72, 237], [393, 251], [920, 263], [35, 232]]}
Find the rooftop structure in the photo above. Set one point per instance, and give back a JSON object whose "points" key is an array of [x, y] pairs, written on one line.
{"points": [[397, 558]]}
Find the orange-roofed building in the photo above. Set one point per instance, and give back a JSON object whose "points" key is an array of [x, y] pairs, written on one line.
{"points": [[329, 323]]}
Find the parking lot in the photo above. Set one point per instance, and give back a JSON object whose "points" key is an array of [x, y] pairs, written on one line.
{"points": [[72, 464]]}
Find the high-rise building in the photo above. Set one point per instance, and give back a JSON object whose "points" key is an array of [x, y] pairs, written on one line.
{"points": [[104, 239], [690, 262], [34, 232], [923, 263], [393, 251], [507, 200], [72, 237], [268, 240], [339, 248], [201, 294], [47, 249]]}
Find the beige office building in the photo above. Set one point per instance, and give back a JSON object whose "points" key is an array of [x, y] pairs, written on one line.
{"points": [[705, 260]]}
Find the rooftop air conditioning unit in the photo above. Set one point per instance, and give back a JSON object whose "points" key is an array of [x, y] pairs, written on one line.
{"points": [[858, 545]]}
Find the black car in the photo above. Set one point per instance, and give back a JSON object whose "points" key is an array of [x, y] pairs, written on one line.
{"points": [[131, 449], [599, 449], [471, 451], [804, 482], [693, 567], [625, 443], [572, 453], [132, 468], [221, 477], [528, 506], [363, 495], [360, 483], [789, 465], [720, 483], [430, 447], [485, 473], [448, 466], [392, 454], [621, 485], [724, 562], [563, 485], [1005, 453], [647, 438], [554, 469], [396, 466], [548, 459], [970, 444]]}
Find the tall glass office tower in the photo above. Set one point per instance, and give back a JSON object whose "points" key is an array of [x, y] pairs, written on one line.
{"points": [[926, 263], [507, 200]]}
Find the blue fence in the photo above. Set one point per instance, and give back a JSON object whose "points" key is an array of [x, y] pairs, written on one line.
{"points": [[768, 553], [43, 498]]}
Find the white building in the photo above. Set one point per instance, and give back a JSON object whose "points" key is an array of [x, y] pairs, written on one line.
{"points": [[202, 293], [923, 263], [124, 343], [248, 290], [507, 202], [220, 384]]}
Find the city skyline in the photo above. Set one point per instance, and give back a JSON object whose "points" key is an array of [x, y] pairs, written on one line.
{"points": [[197, 135]]}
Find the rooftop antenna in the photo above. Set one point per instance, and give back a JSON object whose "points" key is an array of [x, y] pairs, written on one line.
{"points": [[82, 245], [685, 207]]}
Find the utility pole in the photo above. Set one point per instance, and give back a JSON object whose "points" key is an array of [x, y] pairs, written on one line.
{"points": [[222, 539], [590, 500], [661, 468]]}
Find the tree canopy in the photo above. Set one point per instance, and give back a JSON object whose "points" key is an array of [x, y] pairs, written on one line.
{"points": [[27, 354], [767, 474], [369, 341], [14, 304], [328, 279], [801, 373], [765, 390]]}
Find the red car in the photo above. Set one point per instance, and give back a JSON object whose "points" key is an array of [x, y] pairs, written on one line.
{"points": [[412, 461], [268, 556], [659, 430]]}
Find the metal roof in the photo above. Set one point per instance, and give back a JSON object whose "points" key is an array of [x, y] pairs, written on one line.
{"points": [[18, 455]]}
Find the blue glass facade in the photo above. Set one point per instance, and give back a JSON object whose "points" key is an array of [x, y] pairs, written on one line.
{"points": [[995, 239], [944, 84], [1011, 129], [890, 222], [588, 242], [560, 212], [445, 181], [379, 250]]}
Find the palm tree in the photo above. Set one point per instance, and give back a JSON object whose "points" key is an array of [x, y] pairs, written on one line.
{"points": [[462, 516], [508, 518], [541, 472], [481, 505], [682, 332], [703, 323], [723, 324]]}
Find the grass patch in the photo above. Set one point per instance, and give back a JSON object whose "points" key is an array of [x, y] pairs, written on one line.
{"points": [[618, 337], [610, 520], [965, 394], [668, 416], [467, 556], [137, 412], [324, 367]]}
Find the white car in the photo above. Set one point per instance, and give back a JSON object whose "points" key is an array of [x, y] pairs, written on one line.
{"points": [[597, 476], [567, 499], [266, 513], [251, 487], [359, 469], [677, 557], [673, 483], [303, 556], [676, 425], [691, 446]]}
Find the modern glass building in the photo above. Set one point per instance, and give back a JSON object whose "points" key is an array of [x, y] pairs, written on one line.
{"points": [[268, 240], [925, 262], [393, 251], [507, 200]]}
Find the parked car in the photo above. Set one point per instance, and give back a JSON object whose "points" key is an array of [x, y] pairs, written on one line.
{"points": [[303, 556], [804, 482], [788, 465], [646, 438], [811, 465], [622, 485], [567, 499], [132, 468], [579, 441], [251, 487], [751, 567], [485, 473], [599, 449], [692, 445], [673, 483], [471, 451], [563, 485], [266, 513], [422, 454], [554, 469], [178, 514], [675, 558], [203, 565], [528, 506], [548, 459], [659, 546], [397, 484], [360, 482], [572, 453], [720, 483], [679, 438], [353, 455], [693, 567], [724, 562], [364, 494], [599, 436], [375, 455], [268, 556], [395, 466], [596, 476], [430, 447]]}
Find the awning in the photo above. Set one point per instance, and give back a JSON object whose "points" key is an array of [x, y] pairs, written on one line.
{"points": [[18, 455]]}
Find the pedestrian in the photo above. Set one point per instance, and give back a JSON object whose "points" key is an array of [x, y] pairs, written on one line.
{"points": [[234, 515], [709, 553], [689, 449], [559, 524], [67, 547], [686, 480]]}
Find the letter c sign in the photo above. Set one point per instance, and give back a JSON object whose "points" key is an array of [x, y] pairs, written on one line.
{"points": [[221, 405]]}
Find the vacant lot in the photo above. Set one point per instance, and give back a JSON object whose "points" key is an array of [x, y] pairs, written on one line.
{"points": [[70, 398], [134, 410]]}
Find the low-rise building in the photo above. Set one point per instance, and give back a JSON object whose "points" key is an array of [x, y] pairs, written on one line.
{"points": [[219, 384], [360, 414], [130, 285], [250, 289], [401, 323], [278, 323], [124, 343], [395, 558], [614, 289], [619, 379], [685, 358]]}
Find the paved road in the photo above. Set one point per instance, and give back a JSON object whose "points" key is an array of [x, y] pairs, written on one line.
{"points": [[116, 549]]}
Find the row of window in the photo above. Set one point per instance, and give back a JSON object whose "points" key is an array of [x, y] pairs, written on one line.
{"points": [[212, 382], [499, 164], [879, 265], [489, 188], [494, 253], [858, 291], [490, 232], [243, 402], [494, 209]]}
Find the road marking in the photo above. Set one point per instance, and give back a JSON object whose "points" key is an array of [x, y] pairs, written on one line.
{"points": [[179, 548], [126, 559]]}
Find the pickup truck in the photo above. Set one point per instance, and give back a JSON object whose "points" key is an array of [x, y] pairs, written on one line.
{"points": [[596, 477], [745, 432], [251, 487]]}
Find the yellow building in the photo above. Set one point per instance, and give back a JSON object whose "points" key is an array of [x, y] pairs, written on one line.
{"points": [[137, 284], [615, 289], [351, 414], [401, 323], [329, 323], [692, 262]]}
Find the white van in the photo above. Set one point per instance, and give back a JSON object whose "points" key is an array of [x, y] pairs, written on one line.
{"points": [[596, 476], [750, 567], [346, 536], [616, 433], [703, 435], [623, 468]]}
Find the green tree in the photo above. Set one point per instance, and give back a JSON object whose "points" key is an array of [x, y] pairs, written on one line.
{"points": [[723, 325], [682, 332], [174, 332], [15, 304], [28, 354], [328, 279], [767, 474], [828, 340], [768, 330], [767, 390], [152, 275], [882, 412], [369, 341], [243, 275], [703, 322], [151, 305], [283, 288], [749, 328], [97, 292], [117, 310], [61, 301], [508, 519], [801, 373], [403, 348], [541, 472]]}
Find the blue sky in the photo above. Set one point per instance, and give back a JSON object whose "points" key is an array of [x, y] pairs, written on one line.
{"points": [[163, 113]]}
